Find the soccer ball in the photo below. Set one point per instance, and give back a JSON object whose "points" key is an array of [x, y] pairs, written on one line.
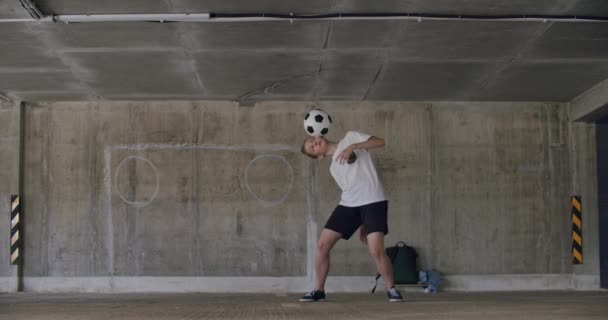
{"points": [[317, 123]]}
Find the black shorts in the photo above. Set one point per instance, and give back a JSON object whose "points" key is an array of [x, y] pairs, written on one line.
{"points": [[346, 220]]}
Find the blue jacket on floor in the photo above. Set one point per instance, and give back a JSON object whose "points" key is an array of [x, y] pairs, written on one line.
{"points": [[432, 279]]}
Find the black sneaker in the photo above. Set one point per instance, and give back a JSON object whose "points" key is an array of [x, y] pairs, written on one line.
{"points": [[314, 295], [394, 295]]}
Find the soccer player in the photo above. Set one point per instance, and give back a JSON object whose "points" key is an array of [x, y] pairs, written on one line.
{"points": [[362, 206]]}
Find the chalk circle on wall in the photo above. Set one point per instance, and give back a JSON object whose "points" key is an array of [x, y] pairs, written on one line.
{"points": [[269, 178], [145, 177]]}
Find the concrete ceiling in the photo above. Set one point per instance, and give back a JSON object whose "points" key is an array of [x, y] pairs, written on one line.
{"points": [[304, 60]]}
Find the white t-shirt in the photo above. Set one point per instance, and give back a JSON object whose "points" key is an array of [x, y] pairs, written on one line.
{"points": [[359, 181]]}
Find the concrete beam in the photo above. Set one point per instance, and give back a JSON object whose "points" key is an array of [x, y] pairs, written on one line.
{"points": [[590, 105]]}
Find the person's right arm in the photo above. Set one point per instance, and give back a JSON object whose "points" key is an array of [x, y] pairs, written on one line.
{"points": [[371, 143]]}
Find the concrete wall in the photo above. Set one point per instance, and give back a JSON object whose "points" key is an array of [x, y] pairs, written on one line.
{"points": [[214, 189], [180, 205], [477, 188]]}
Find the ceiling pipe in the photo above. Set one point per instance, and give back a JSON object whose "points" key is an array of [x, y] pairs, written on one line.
{"points": [[32, 9], [212, 17], [412, 18], [169, 17], [4, 98], [19, 20]]}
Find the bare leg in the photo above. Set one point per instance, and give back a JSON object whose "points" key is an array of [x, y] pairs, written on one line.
{"points": [[375, 244], [326, 242]]}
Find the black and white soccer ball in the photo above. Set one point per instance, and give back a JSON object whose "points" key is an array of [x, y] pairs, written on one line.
{"points": [[317, 123]]}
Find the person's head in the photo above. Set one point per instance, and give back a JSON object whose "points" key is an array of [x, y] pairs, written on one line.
{"points": [[315, 147]]}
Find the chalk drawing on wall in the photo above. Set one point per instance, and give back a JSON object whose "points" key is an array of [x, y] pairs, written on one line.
{"points": [[272, 160], [149, 173], [146, 169]]}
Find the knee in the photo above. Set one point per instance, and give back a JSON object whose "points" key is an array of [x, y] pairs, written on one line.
{"points": [[377, 253], [323, 247]]}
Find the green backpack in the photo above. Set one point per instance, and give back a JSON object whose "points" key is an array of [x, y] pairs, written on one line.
{"points": [[403, 258]]}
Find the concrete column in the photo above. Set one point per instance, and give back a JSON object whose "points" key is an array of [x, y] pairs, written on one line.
{"points": [[602, 176], [584, 184], [9, 184]]}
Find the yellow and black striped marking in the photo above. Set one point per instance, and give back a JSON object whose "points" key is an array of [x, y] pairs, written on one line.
{"points": [[577, 231], [15, 217]]}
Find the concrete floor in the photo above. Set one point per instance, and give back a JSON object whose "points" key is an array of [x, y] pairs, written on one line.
{"points": [[528, 305]]}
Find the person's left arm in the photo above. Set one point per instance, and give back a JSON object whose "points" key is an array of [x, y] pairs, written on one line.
{"points": [[371, 143]]}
